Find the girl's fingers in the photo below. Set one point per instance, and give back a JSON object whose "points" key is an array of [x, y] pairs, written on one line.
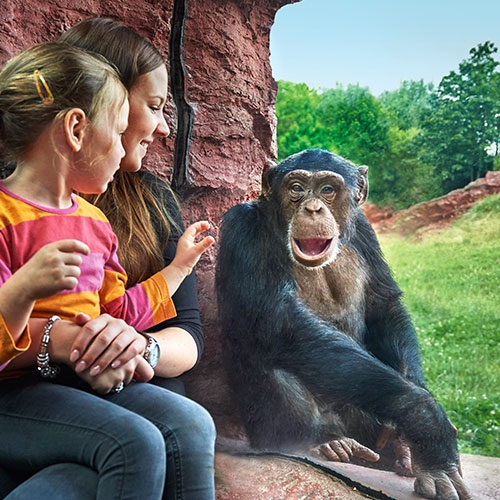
{"points": [[72, 246]]}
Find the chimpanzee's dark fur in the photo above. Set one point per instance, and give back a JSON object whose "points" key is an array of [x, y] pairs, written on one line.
{"points": [[297, 379]]}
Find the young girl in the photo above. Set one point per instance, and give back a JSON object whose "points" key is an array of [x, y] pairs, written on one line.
{"points": [[62, 115]]}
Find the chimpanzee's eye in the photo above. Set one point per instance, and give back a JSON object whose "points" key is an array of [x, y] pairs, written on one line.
{"points": [[327, 191], [296, 191]]}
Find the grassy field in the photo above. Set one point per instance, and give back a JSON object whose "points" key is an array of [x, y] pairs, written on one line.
{"points": [[451, 282]]}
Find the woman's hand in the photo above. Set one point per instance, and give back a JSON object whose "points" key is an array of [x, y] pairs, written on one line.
{"points": [[112, 377], [105, 342], [189, 251], [65, 334], [187, 255]]}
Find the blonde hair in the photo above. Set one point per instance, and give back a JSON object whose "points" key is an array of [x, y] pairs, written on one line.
{"points": [[143, 225], [43, 82]]}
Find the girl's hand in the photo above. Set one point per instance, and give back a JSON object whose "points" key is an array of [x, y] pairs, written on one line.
{"points": [[54, 268], [104, 342]]}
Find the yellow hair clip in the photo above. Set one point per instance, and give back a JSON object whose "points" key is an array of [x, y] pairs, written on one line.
{"points": [[46, 99]]}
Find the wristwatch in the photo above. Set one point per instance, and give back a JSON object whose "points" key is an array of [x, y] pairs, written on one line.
{"points": [[152, 351]]}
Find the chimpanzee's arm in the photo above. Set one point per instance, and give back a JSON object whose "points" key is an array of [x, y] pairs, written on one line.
{"points": [[390, 336], [252, 266]]}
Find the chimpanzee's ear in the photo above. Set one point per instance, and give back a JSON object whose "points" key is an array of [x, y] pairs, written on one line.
{"points": [[361, 193], [266, 181]]}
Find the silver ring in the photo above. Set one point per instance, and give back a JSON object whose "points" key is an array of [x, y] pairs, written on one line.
{"points": [[118, 388]]}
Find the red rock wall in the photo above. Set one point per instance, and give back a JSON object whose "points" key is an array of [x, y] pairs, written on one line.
{"points": [[233, 92], [222, 128]]}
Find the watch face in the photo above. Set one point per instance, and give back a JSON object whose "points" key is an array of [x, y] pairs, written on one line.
{"points": [[154, 354]]}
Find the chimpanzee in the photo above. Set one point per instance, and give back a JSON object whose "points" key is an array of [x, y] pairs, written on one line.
{"points": [[319, 350]]}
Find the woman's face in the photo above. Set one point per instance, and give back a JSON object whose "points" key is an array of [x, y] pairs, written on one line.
{"points": [[146, 119]]}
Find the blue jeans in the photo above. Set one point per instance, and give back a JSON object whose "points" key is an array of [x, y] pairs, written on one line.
{"points": [[60, 481], [144, 443]]}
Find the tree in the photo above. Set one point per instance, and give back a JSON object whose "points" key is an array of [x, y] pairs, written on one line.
{"points": [[463, 120], [419, 142], [407, 179], [353, 123], [297, 122], [406, 106], [355, 127]]}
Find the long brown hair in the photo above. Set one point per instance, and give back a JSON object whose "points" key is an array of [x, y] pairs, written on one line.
{"points": [[129, 203]]}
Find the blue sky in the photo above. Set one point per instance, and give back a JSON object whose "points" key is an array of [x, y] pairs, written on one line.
{"points": [[378, 43]]}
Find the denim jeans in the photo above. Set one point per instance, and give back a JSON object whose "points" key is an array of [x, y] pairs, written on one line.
{"points": [[145, 442], [61, 481]]}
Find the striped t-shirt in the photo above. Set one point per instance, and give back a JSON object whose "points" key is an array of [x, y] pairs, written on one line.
{"points": [[25, 227]]}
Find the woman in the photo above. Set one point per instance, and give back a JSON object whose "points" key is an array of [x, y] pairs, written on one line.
{"points": [[141, 209]]}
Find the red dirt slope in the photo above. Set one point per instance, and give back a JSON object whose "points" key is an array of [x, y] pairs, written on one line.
{"points": [[435, 214]]}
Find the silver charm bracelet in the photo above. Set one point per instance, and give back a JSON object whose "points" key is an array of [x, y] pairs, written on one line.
{"points": [[42, 360]]}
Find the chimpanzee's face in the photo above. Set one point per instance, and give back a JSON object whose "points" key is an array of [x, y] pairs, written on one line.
{"points": [[316, 207]]}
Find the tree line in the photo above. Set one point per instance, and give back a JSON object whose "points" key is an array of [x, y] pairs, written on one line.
{"points": [[418, 141]]}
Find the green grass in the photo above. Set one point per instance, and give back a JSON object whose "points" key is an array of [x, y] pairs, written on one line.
{"points": [[451, 282]]}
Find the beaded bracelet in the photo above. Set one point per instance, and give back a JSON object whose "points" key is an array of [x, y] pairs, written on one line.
{"points": [[42, 360]]}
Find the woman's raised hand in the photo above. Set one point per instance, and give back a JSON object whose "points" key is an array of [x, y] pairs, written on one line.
{"points": [[188, 250], [187, 255]]}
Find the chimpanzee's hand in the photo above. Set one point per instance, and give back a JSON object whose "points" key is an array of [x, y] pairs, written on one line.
{"points": [[402, 465], [441, 485], [343, 449]]}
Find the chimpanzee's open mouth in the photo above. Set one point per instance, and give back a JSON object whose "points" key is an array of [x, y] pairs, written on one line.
{"points": [[311, 248]]}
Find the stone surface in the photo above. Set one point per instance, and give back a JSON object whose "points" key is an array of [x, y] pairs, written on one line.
{"points": [[279, 478], [268, 477]]}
